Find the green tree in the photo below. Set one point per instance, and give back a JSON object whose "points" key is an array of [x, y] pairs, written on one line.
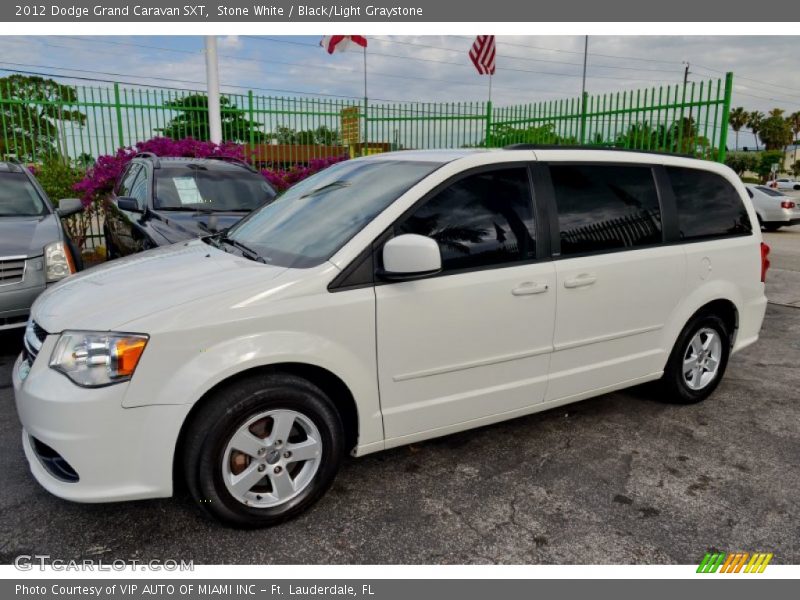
{"points": [[742, 162], [767, 159], [738, 119], [776, 132], [794, 124], [192, 121], [32, 111], [321, 136], [796, 168], [754, 121]]}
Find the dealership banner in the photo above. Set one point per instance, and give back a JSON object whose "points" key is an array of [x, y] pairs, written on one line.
{"points": [[409, 11], [392, 589]]}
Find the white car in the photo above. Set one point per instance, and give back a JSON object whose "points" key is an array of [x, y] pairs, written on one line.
{"points": [[384, 301], [784, 184], [774, 209]]}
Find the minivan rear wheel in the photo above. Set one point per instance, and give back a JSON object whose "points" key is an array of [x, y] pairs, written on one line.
{"points": [[697, 362], [262, 450]]}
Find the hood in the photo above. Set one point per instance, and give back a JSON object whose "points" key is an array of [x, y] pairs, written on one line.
{"points": [[27, 236], [177, 226], [126, 289]]}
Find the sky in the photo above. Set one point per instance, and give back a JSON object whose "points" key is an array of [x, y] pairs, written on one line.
{"points": [[426, 68]]}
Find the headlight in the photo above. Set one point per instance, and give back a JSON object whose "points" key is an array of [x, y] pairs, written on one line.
{"points": [[97, 358], [57, 261]]}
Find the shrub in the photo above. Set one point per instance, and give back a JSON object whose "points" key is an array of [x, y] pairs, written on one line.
{"points": [[741, 162], [282, 179], [100, 178]]}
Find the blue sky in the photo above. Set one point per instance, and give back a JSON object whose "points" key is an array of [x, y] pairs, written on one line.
{"points": [[426, 68]]}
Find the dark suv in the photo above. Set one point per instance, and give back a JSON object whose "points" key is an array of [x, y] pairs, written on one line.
{"points": [[163, 200]]}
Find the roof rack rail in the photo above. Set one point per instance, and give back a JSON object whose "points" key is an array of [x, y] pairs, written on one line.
{"points": [[152, 156], [523, 146], [234, 161]]}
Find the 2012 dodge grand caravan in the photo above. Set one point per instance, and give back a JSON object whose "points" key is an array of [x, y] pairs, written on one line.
{"points": [[383, 301]]}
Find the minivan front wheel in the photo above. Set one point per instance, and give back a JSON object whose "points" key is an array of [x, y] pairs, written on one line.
{"points": [[698, 360], [263, 450]]}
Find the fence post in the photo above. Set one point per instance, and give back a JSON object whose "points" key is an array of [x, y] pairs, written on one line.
{"points": [[583, 117], [251, 115], [489, 141], [118, 106], [726, 111]]}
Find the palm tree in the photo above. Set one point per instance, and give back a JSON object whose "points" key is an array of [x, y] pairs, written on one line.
{"points": [[754, 120], [738, 119], [776, 112], [794, 123]]}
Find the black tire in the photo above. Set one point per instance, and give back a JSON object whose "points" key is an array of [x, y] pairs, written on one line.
{"points": [[111, 251], [223, 414], [772, 226], [797, 187], [673, 386]]}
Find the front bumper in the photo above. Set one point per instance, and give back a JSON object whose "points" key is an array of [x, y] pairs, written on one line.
{"points": [[117, 453]]}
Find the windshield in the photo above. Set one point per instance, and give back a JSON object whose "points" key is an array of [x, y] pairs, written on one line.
{"points": [[18, 197], [312, 220], [769, 191], [198, 188]]}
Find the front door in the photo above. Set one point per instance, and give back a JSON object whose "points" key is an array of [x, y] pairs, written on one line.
{"points": [[473, 343]]}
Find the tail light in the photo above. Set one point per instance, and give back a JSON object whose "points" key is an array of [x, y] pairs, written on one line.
{"points": [[787, 204], [764, 261]]}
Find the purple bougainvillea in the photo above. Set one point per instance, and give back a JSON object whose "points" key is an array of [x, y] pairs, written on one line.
{"points": [[100, 178]]}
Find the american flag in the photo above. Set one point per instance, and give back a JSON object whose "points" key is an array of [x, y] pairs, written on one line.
{"points": [[482, 54], [339, 43]]}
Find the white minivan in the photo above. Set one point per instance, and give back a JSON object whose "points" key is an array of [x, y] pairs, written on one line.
{"points": [[383, 301]]}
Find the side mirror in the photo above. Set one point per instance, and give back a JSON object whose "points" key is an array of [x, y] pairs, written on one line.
{"points": [[128, 204], [410, 256], [69, 206]]}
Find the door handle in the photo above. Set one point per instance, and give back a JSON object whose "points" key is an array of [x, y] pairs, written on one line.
{"points": [[581, 280], [529, 288]]}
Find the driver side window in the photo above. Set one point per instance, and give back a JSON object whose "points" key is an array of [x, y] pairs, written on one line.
{"points": [[139, 188], [481, 220]]}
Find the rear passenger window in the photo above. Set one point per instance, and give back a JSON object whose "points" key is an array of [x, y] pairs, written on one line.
{"points": [[483, 219], [708, 205], [605, 207]]}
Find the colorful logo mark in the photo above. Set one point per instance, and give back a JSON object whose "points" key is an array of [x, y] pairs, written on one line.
{"points": [[736, 562]]}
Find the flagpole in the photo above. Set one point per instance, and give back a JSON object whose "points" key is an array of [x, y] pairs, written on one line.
{"points": [[490, 86], [365, 98]]}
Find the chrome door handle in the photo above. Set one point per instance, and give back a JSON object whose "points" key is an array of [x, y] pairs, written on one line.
{"points": [[530, 287], [581, 280]]}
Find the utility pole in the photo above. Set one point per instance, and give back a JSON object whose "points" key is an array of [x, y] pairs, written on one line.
{"points": [[212, 85], [685, 73], [585, 57]]}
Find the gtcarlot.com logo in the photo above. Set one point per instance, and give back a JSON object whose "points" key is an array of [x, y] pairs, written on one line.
{"points": [[734, 562]]}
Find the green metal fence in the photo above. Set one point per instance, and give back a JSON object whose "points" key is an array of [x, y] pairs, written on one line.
{"points": [[42, 120]]}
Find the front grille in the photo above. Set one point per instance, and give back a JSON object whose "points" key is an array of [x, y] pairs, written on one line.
{"points": [[12, 270], [33, 340]]}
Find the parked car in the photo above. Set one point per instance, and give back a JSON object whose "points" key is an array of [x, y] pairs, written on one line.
{"points": [[34, 250], [163, 200], [774, 209], [784, 184], [383, 301]]}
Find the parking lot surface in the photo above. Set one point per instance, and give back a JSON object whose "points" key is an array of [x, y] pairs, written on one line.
{"points": [[615, 479]]}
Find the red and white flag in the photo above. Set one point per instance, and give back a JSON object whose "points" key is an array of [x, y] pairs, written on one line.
{"points": [[340, 43], [482, 54]]}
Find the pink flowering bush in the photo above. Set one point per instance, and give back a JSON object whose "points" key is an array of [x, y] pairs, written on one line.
{"points": [[283, 179], [100, 178]]}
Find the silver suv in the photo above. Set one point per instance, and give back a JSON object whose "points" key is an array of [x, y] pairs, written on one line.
{"points": [[34, 250]]}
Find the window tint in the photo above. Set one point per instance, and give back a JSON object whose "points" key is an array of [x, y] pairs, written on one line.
{"points": [[708, 205], [211, 189], [483, 219], [124, 188], [769, 191], [139, 188], [18, 197], [605, 207]]}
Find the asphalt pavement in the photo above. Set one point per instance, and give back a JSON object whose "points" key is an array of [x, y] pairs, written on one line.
{"points": [[615, 479]]}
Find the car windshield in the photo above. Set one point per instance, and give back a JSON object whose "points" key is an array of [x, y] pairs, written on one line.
{"points": [[769, 191], [196, 187], [313, 219], [18, 197]]}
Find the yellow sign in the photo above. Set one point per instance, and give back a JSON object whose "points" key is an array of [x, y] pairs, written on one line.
{"points": [[351, 125]]}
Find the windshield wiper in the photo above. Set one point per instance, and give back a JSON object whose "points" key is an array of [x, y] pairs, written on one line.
{"points": [[325, 188], [246, 251]]}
